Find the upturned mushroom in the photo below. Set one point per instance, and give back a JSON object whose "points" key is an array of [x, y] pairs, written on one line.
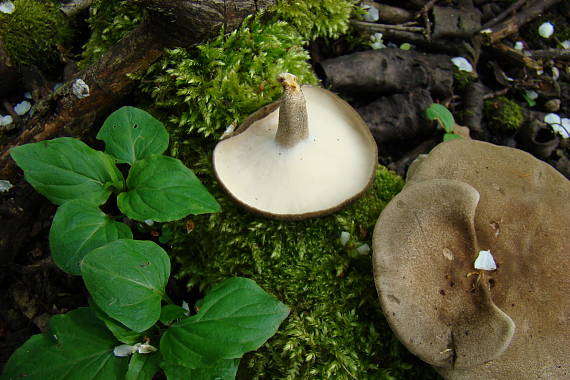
{"points": [[465, 198], [306, 155]]}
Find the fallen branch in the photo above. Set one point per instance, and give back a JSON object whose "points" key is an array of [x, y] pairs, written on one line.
{"points": [[512, 25], [549, 53]]}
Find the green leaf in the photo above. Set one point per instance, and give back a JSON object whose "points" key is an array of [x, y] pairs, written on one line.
{"points": [[170, 313], [442, 115], [78, 227], [132, 134], [450, 136], [144, 366], [121, 332], [77, 346], [235, 317], [162, 189], [220, 370], [65, 168], [126, 279]]}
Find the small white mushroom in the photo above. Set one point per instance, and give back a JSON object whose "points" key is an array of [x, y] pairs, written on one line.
{"points": [[7, 7]]}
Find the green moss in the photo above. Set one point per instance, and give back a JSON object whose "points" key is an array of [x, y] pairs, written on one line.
{"points": [[336, 329], [109, 21], [317, 18], [503, 114], [221, 82], [462, 78], [35, 33]]}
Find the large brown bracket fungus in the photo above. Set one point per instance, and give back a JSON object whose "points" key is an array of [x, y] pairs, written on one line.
{"points": [[510, 323], [308, 154]]}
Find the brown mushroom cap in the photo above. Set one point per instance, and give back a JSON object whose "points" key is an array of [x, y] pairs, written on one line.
{"points": [[288, 173], [426, 240]]}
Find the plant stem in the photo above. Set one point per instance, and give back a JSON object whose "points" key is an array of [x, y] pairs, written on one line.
{"points": [[293, 126]]}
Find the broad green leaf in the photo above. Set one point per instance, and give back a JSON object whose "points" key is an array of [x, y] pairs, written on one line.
{"points": [[78, 227], [162, 189], [121, 332], [235, 317], [132, 134], [442, 115], [65, 168], [170, 313], [220, 370], [143, 366], [77, 346], [450, 136], [126, 279]]}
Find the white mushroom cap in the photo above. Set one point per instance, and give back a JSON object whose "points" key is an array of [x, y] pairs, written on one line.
{"points": [[316, 175]]}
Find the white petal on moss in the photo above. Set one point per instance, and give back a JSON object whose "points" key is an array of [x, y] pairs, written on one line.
{"points": [[546, 30], [5, 185], [519, 45], [80, 89], [565, 44], [7, 7], [462, 64], [364, 249], [485, 261], [124, 350], [344, 236], [22, 108]]}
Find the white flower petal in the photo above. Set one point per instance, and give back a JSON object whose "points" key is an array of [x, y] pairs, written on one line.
{"points": [[5, 185], [5, 120], [563, 128], [372, 14], [552, 118], [565, 44], [344, 236], [363, 249], [485, 261], [532, 94], [462, 64], [22, 108], [80, 89], [146, 348], [7, 7], [519, 45], [546, 30], [124, 350]]}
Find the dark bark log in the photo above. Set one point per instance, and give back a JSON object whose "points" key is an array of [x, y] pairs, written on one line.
{"points": [[398, 117], [380, 71], [453, 22], [473, 107]]}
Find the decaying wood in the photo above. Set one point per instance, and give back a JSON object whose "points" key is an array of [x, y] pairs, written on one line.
{"points": [[550, 53], [380, 71], [473, 107], [512, 25], [509, 12], [180, 22], [171, 23]]}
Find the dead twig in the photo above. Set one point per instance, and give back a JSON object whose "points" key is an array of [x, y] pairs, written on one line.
{"points": [[509, 12], [512, 25], [549, 53], [383, 27]]}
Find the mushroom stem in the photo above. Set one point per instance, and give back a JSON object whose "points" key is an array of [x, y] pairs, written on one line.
{"points": [[293, 126]]}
